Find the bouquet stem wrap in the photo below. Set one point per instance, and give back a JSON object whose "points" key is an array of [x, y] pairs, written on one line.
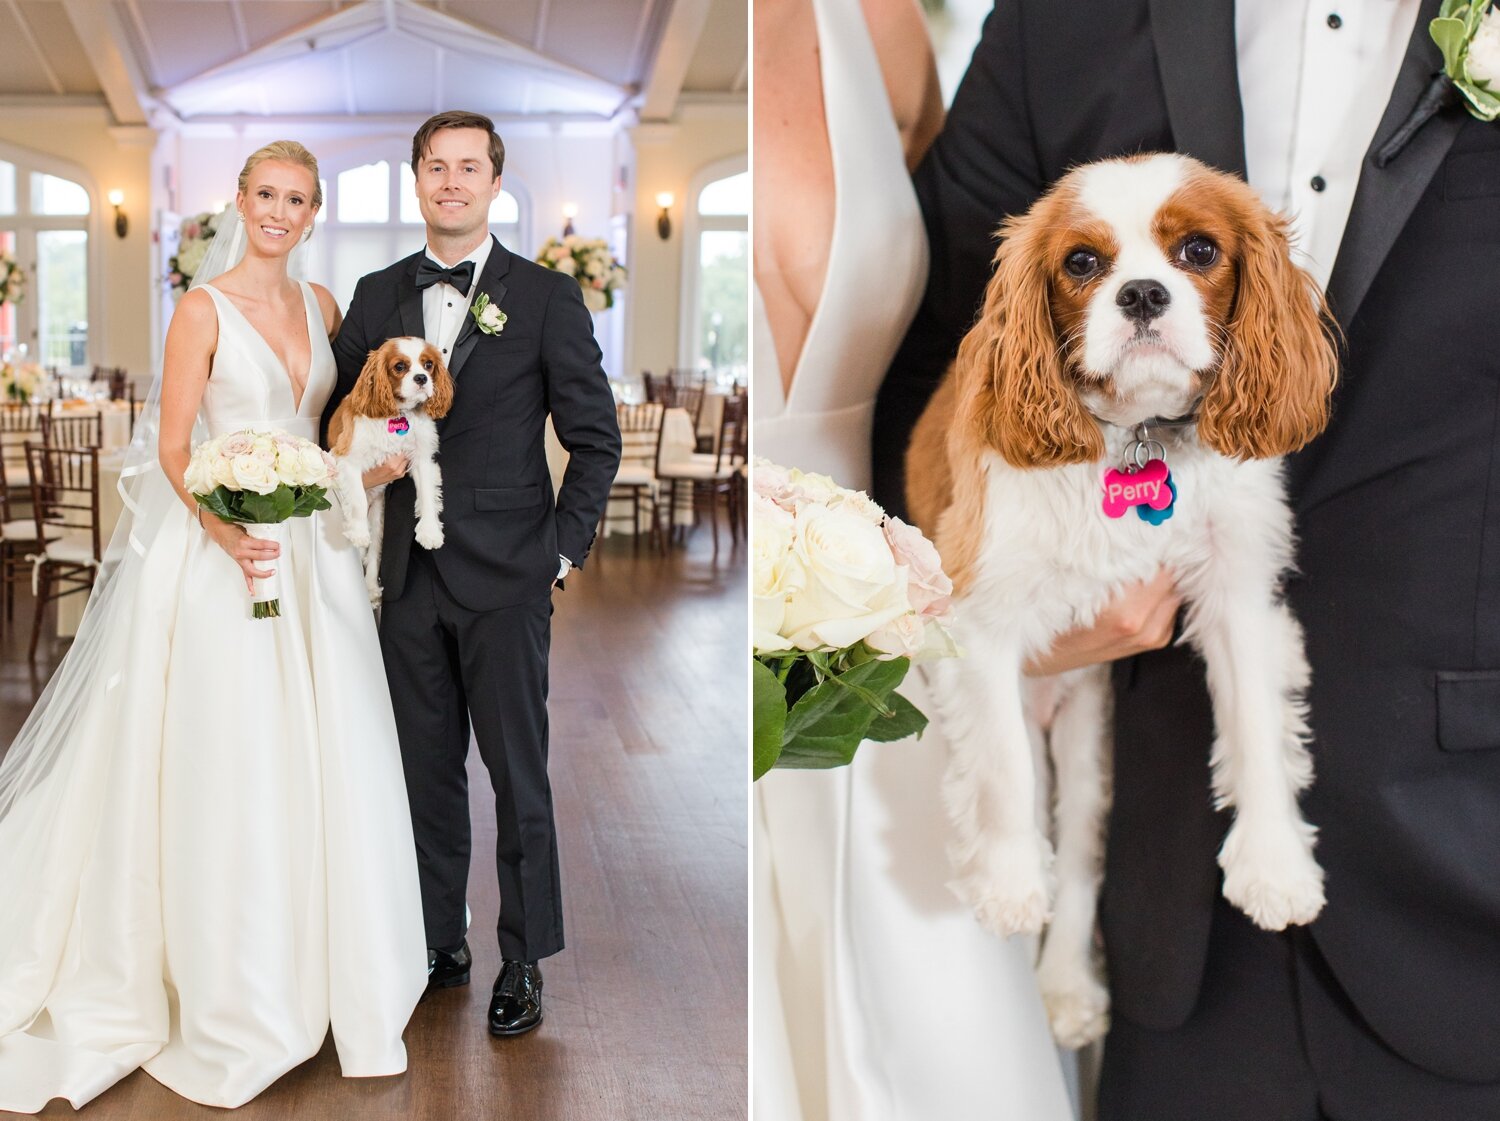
{"points": [[266, 599]]}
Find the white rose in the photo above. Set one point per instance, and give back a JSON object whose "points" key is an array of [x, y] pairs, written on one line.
{"points": [[492, 318], [221, 467], [775, 573], [314, 466], [1483, 62], [853, 584], [255, 474], [190, 256], [567, 265], [199, 478], [914, 636], [860, 503]]}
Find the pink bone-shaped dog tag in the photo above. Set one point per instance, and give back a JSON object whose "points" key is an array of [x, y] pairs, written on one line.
{"points": [[1146, 487]]}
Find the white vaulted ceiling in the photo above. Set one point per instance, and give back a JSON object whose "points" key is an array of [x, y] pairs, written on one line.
{"points": [[227, 60]]}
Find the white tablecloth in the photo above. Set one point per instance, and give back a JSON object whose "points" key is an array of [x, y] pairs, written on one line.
{"points": [[677, 444]]}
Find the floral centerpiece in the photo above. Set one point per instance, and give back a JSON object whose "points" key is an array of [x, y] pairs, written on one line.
{"points": [[12, 279], [192, 246], [21, 381], [260, 480], [845, 598], [588, 261]]}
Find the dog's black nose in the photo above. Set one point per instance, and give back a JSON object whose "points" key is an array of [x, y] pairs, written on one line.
{"points": [[420, 379], [1143, 299]]}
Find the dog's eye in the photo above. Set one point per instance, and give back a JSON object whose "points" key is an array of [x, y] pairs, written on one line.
{"points": [[1081, 263], [1199, 251], [401, 367], [427, 364]]}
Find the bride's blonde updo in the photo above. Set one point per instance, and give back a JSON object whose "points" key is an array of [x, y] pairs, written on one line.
{"points": [[286, 151]]}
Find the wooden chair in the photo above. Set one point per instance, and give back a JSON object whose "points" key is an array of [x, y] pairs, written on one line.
{"points": [[712, 475], [17, 542], [65, 502], [63, 431], [18, 424], [640, 437]]}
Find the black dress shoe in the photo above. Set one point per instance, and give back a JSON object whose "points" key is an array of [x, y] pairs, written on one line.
{"points": [[517, 1004], [448, 969]]}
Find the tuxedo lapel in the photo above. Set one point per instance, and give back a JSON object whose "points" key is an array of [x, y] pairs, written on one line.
{"points": [[491, 282], [410, 301], [1386, 196], [1196, 55]]}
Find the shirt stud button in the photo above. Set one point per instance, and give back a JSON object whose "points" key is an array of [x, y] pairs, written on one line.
{"points": [[1318, 183], [1335, 21]]}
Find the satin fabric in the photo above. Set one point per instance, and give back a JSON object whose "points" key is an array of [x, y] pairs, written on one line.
{"points": [[877, 995], [221, 865]]}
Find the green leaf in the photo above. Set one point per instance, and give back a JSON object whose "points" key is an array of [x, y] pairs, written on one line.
{"points": [[309, 499], [1449, 33], [906, 720], [824, 728], [221, 503], [768, 717]]}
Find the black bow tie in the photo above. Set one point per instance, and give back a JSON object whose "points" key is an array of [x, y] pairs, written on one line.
{"points": [[429, 272]]}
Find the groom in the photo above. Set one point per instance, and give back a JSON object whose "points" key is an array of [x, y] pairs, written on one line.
{"points": [[465, 629]]}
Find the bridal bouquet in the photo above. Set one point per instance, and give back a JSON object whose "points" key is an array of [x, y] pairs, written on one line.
{"points": [[845, 599], [12, 280], [21, 381], [260, 480], [192, 247], [588, 261]]}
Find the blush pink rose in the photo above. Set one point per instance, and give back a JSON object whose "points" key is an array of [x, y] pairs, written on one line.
{"points": [[928, 587]]}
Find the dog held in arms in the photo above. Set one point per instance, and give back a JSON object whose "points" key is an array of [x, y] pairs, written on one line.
{"points": [[1146, 351], [393, 409]]}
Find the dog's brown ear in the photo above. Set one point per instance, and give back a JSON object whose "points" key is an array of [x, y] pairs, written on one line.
{"points": [[373, 395], [1270, 394], [442, 386], [1011, 387]]}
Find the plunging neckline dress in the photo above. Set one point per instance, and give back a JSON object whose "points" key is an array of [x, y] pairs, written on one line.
{"points": [[878, 997], [221, 865]]}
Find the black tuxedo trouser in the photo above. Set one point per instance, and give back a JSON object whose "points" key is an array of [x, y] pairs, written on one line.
{"points": [[1273, 1038], [448, 665]]}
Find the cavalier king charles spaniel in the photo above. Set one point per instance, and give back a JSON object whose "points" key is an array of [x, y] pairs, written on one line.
{"points": [[1146, 351], [403, 390]]}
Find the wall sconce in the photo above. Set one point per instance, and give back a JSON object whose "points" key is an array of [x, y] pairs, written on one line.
{"points": [[122, 224], [664, 219], [570, 211]]}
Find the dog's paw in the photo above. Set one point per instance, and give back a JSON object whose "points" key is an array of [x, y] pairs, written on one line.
{"points": [[429, 536], [376, 592], [1010, 888], [1077, 1005], [358, 535], [1270, 874]]}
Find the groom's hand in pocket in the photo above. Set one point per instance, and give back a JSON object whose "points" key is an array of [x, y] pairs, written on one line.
{"points": [[1141, 617], [387, 471]]}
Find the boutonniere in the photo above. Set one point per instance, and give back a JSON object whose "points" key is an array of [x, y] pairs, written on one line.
{"points": [[487, 316], [1468, 34]]}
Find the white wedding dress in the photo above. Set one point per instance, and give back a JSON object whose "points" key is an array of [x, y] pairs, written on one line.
{"points": [[220, 864], [877, 995]]}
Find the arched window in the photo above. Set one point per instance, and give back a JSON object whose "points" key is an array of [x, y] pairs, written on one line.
{"points": [[716, 336], [370, 219], [44, 227]]}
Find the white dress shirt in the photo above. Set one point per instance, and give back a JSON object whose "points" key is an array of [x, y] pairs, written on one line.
{"points": [[1315, 76], [444, 307]]}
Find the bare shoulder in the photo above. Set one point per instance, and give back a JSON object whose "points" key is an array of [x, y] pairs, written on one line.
{"points": [[332, 316], [195, 320], [904, 49]]}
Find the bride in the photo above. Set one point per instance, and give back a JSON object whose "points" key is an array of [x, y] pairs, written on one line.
{"points": [[206, 853]]}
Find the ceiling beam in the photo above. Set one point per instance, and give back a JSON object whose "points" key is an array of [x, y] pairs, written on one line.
{"points": [[102, 37], [678, 43], [335, 29], [36, 50]]}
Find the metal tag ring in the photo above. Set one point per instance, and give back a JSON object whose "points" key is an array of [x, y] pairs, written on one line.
{"points": [[1143, 448]]}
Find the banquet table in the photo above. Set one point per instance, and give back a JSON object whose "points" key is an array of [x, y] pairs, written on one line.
{"points": [[678, 442]]}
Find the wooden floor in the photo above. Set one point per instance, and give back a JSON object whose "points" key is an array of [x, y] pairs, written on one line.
{"points": [[646, 1013]]}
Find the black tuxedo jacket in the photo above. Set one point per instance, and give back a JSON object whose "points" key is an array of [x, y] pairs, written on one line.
{"points": [[1397, 507], [502, 530]]}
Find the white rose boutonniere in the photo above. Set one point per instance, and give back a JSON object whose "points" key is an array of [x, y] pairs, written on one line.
{"points": [[487, 315], [1467, 32]]}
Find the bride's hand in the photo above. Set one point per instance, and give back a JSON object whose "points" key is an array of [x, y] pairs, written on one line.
{"points": [[1139, 619], [246, 551], [388, 471]]}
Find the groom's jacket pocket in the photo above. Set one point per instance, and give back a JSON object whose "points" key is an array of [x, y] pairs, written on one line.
{"points": [[1468, 710], [508, 498]]}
